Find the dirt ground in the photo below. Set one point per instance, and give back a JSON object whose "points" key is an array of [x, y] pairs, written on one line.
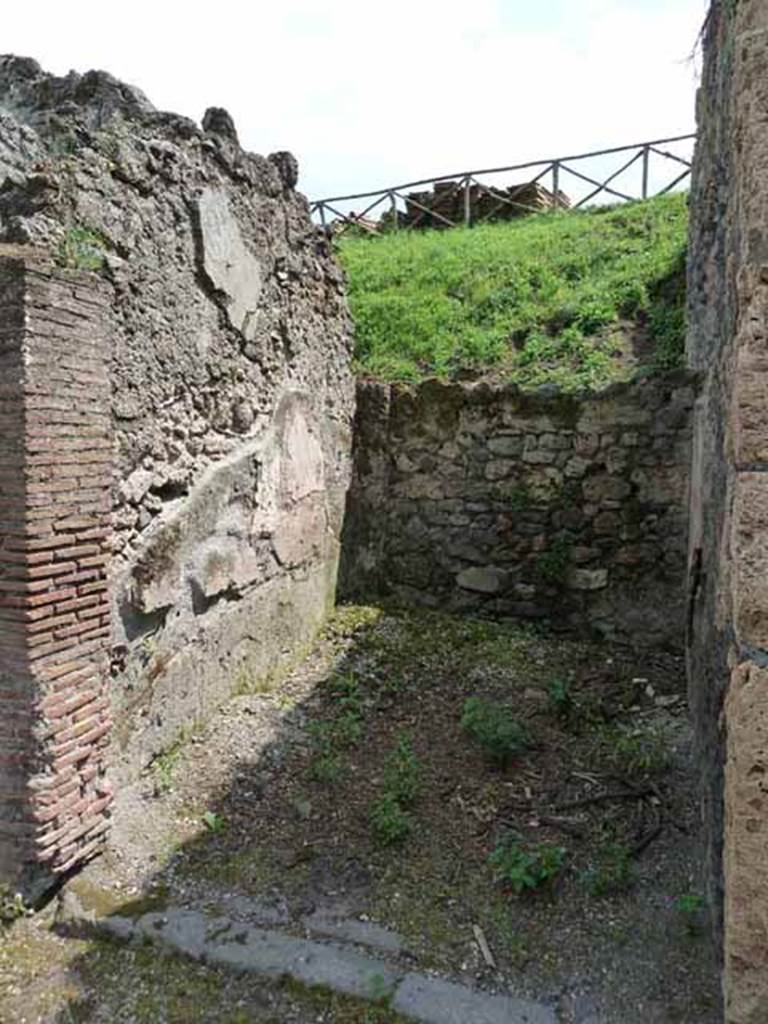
{"points": [[359, 789]]}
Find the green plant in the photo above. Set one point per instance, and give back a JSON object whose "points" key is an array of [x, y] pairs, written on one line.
{"points": [[81, 248], [402, 772], [552, 565], [642, 750], [495, 729], [612, 871], [391, 824], [690, 907], [12, 905], [524, 865], [402, 783], [560, 698], [164, 767], [213, 822], [540, 299], [326, 764]]}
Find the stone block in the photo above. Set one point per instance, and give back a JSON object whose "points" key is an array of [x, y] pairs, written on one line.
{"points": [[601, 487], [750, 551], [483, 579], [746, 841], [588, 579], [506, 445]]}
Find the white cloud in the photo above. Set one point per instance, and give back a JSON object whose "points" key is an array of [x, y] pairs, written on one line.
{"points": [[367, 94]]}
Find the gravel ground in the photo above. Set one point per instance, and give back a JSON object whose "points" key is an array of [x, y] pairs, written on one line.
{"points": [[265, 814]]}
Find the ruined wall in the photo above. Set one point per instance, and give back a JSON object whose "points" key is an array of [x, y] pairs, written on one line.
{"points": [[484, 499], [231, 397], [728, 561]]}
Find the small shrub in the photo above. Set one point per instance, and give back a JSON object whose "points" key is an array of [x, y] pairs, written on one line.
{"points": [[391, 824], [495, 729], [613, 871], [402, 774], [560, 698], [526, 865], [402, 783], [326, 764]]}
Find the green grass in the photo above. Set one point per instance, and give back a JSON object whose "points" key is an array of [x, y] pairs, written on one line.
{"points": [[544, 299]]}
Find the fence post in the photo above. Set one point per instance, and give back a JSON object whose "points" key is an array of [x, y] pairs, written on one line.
{"points": [[646, 156], [468, 202], [395, 218], [556, 181], [321, 210]]}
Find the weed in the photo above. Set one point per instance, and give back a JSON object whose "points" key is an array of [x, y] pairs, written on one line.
{"points": [[637, 751], [81, 248], [690, 907], [495, 729], [12, 905], [326, 764], [246, 683], [391, 824], [612, 872], [526, 865], [164, 768], [402, 773], [560, 698], [213, 822], [402, 784], [552, 565]]}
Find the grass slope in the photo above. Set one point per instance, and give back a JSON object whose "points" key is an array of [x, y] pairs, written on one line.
{"points": [[579, 299]]}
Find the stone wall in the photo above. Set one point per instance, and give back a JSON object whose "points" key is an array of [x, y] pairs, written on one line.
{"points": [[488, 500], [231, 396], [55, 481], [728, 561]]}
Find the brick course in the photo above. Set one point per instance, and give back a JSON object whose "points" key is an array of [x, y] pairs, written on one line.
{"points": [[55, 462]]}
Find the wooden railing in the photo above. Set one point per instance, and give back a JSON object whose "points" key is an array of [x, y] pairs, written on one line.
{"points": [[549, 175]]}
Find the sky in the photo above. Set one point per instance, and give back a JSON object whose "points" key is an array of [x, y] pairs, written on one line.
{"points": [[372, 94]]}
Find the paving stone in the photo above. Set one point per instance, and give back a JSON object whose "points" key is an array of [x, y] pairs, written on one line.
{"points": [[433, 1001], [362, 932]]}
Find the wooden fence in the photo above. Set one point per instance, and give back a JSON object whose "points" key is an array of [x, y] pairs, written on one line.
{"points": [[461, 191]]}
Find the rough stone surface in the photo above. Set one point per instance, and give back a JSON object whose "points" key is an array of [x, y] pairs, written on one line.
{"points": [[441, 1002], [222, 941], [728, 602], [231, 393], [485, 499]]}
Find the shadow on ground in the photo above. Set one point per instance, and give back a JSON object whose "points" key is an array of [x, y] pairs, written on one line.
{"points": [[350, 795]]}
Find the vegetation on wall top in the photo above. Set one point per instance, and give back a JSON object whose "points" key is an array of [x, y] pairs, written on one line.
{"points": [[579, 299]]}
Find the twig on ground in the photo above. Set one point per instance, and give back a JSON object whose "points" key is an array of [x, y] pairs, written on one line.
{"points": [[585, 801]]}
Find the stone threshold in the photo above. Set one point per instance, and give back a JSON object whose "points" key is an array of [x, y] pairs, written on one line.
{"points": [[225, 942]]}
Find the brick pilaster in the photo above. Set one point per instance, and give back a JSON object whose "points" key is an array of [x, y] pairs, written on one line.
{"points": [[55, 483]]}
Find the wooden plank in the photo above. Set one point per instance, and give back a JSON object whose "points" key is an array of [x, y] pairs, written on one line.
{"points": [[677, 181], [612, 177], [443, 196], [426, 209], [671, 156], [646, 155], [592, 181]]}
